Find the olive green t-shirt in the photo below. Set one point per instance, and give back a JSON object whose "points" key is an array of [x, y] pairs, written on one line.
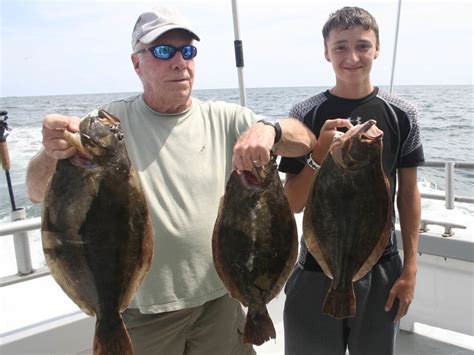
{"points": [[183, 161]]}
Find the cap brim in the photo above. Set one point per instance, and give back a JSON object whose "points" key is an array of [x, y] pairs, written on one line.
{"points": [[152, 35]]}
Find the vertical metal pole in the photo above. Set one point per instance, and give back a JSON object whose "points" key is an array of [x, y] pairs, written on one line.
{"points": [[21, 244], [395, 46], [20, 239], [449, 188], [239, 54]]}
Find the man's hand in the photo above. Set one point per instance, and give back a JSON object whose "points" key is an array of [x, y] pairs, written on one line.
{"points": [[253, 147], [404, 290], [54, 143], [326, 135]]}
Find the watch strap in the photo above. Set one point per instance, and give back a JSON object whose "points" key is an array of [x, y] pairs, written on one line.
{"points": [[276, 126]]}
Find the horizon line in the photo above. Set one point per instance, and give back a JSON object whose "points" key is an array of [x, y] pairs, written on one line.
{"points": [[228, 88]]}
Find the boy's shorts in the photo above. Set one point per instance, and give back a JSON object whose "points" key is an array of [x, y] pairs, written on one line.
{"points": [[371, 332]]}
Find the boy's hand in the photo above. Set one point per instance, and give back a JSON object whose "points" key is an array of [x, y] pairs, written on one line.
{"points": [[404, 290], [326, 136]]}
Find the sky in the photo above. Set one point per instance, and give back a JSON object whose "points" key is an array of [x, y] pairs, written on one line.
{"points": [[73, 47]]}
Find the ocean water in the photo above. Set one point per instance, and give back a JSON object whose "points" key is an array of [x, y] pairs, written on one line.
{"points": [[446, 122]]}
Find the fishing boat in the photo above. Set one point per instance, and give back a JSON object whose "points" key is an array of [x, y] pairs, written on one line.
{"points": [[41, 319]]}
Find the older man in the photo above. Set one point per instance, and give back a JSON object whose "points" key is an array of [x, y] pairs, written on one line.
{"points": [[183, 150]]}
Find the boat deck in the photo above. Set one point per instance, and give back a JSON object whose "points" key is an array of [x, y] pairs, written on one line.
{"points": [[416, 344], [408, 344]]}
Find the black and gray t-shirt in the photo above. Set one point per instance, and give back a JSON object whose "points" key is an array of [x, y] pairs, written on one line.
{"points": [[396, 117]]}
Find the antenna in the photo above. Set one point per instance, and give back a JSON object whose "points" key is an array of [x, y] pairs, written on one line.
{"points": [[395, 44]]}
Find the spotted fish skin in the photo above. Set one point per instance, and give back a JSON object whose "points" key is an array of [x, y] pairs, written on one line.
{"points": [[255, 245], [96, 231], [347, 219]]}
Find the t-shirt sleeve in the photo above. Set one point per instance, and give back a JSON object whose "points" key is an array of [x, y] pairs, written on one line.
{"points": [[411, 149], [244, 118], [291, 165]]}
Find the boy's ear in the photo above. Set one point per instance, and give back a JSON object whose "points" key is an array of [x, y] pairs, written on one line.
{"points": [[377, 52], [326, 55]]}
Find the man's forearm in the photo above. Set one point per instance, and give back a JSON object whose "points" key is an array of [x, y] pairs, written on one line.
{"points": [[40, 168], [297, 139]]}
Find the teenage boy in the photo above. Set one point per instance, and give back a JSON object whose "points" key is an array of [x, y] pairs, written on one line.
{"points": [[351, 44]]}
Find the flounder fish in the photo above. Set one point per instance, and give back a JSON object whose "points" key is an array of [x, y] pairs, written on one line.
{"points": [[347, 219], [96, 232], [255, 245]]}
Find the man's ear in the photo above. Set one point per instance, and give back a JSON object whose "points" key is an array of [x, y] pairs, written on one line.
{"points": [[136, 63]]}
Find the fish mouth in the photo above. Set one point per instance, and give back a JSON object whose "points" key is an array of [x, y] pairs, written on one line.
{"points": [[248, 179], [259, 177], [90, 144], [74, 138], [369, 133], [350, 149]]}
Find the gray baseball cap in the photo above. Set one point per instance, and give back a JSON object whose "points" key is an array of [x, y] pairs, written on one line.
{"points": [[151, 25]]}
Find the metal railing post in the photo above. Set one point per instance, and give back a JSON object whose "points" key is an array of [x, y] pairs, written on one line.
{"points": [[22, 245], [449, 185]]}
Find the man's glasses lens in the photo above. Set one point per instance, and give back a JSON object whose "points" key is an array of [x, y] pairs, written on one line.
{"points": [[165, 51]]}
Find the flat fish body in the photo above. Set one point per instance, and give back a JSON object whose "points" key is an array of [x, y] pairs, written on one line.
{"points": [[347, 219], [255, 245], [96, 231]]}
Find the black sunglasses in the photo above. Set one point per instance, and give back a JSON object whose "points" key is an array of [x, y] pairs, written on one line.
{"points": [[166, 51]]}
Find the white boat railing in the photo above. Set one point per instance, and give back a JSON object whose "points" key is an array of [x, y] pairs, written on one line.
{"points": [[449, 167], [460, 250]]}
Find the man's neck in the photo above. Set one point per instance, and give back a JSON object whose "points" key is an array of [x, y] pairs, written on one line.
{"points": [[167, 107]]}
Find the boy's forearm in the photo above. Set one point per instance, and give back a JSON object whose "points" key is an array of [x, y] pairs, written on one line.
{"points": [[297, 188], [409, 208]]}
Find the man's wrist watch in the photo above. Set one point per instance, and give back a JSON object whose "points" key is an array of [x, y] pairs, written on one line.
{"points": [[312, 164], [276, 126]]}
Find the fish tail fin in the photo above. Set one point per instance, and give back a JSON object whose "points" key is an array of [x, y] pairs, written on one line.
{"points": [[258, 326], [340, 304], [111, 337]]}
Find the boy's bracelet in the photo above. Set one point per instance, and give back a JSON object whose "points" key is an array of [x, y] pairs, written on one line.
{"points": [[312, 164]]}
